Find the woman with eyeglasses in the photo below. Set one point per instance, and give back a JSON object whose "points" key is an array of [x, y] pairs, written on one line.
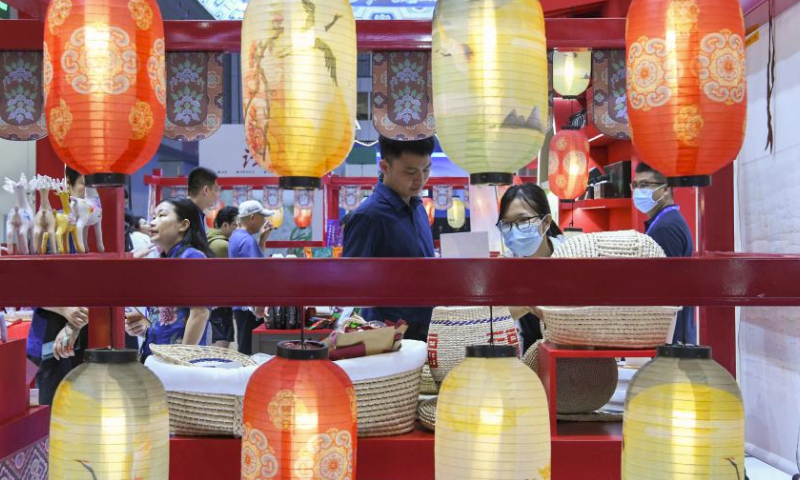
{"points": [[528, 231]]}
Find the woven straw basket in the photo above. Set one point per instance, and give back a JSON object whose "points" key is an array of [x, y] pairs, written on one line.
{"points": [[197, 414], [626, 327], [427, 385], [455, 328], [388, 405], [426, 412]]}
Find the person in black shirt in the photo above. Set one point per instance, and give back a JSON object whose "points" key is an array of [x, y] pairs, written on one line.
{"points": [[203, 191], [668, 228]]}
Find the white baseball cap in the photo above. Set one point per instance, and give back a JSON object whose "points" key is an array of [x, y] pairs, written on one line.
{"points": [[249, 207]]}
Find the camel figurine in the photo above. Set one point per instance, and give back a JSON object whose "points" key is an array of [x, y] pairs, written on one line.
{"points": [[66, 222], [20, 217], [91, 215], [44, 223]]}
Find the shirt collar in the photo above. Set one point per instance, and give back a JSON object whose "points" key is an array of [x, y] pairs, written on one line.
{"points": [[394, 199], [174, 252]]}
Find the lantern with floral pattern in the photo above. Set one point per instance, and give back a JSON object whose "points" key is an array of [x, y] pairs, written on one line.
{"points": [[104, 85], [687, 97], [568, 164]]}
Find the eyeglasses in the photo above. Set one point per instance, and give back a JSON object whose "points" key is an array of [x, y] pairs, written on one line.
{"points": [[521, 224], [650, 185]]}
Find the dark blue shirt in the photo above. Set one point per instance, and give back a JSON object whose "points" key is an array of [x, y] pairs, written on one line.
{"points": [[669, 229], [384, 226], [243, 245]]}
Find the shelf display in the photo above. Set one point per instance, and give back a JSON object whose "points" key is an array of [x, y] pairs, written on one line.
{"points": [[19, 225]]}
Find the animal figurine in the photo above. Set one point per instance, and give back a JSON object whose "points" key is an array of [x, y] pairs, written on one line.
{"points": [[66, 221], [94, 219], [44, 223], [20, 217]]}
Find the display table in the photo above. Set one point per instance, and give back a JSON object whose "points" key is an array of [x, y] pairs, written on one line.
{"points": [[590, 452]]}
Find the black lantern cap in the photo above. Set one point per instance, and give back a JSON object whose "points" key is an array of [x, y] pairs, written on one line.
{"points": [[491, 351], [693, 181], [300, 183], [684, 351], [110, 355], [491, 178], [105, 180], [297, 350]]}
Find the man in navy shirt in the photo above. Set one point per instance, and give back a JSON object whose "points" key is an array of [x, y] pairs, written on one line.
{"points": [[667, 227], [248, 241], [392, 222], [203, 191]]}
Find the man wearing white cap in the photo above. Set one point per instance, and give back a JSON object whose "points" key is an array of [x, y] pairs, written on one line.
{"points": [[248, 241]]}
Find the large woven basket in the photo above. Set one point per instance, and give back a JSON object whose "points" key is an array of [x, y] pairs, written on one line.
{"points": [[387, 406], [199, 414], [455, 328], [583, 384], [626, 327]]}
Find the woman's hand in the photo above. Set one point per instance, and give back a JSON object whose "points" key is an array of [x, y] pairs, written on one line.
{"points": [[135, 323], [64, 344]]}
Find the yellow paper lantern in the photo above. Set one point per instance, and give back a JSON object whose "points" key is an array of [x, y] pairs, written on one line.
{"points": [[683, 420], [299, 86], [572, 71], [457, 214], [110, 420], [492, 419], [490, 85], [277, 217]]}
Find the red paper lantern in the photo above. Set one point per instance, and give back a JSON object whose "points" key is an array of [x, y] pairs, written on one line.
{"points": [[302, 217], [299, 418], [687, 97], [568, 164], [430, 209], [104, 85]]}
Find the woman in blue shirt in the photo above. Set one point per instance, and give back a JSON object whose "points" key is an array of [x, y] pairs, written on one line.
{"points": [[177, 233]]}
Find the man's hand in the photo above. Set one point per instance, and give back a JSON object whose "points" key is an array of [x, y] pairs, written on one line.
{"points": [[259, 311], [265, 231], [64, 344], [135, 323], [77, 317]]}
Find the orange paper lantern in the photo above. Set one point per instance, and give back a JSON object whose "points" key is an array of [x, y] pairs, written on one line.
{"points": [[104, 85], [687, 97], [299, 417], [430, 209], [568, 164], [302, 217]]}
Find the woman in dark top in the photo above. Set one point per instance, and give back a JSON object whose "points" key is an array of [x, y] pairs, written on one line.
{"points": [[529, 231]]}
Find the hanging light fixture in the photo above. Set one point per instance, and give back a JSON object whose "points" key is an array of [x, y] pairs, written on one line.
{"points": [[299, 86], [104, 85], [109, 420], [683, 419], [490, 85], [276, 220], [299, 417], [302, 216], [430, 209], [456, 214], [572, 71], [687, 93], [492, 419], [568, 164]]}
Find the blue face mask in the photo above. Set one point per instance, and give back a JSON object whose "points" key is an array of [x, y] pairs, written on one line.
{"points": [[523, 242], [643, 199]]}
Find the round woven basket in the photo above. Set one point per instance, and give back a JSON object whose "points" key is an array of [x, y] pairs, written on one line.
{"points": [[387, 405], [427, 386], [426, 412], [625, 327], [455, 328], [583, 384], [198, 414]]}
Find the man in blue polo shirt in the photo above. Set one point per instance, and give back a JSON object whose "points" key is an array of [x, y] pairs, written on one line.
{"points": [[392, 222], [667, 227]]}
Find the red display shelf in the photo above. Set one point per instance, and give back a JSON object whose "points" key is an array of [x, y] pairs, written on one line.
{"points": [[13, 383], [548, 356], [601, 204], [23, 430]]}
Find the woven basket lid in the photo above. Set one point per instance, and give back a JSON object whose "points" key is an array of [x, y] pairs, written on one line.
{"points": [[426, 412], [199, 355], [625, 243]]}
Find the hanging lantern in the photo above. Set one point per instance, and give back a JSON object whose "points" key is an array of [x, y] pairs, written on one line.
{"points": [[273, 197], [430, 209], [492, 419], [490, 85], [687, 97], [572, 71], [304, 199], [443, 196], [276, 220], [568, 164], [104, 85], [109, 420], [302, 217], [299, 417], [457, 214], [299, 86], [683, 418]]}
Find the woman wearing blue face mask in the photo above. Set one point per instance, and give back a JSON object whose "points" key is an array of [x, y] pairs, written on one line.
{"points": [[528, 231]]}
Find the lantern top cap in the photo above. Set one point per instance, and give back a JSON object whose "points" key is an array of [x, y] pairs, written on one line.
{"points": [[491, 351], [684, 351], [297, 350], [110, 355]]}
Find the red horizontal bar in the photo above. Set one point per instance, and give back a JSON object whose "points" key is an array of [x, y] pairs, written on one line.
{"points": [[293, 244], [107, 280], [335, 180], [373, 35]]}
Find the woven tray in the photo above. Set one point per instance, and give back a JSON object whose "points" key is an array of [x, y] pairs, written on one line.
{"points": [[426, 412]]}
